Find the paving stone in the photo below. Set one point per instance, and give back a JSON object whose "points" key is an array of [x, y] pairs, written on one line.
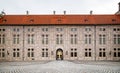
{"points": [[60, 67]]}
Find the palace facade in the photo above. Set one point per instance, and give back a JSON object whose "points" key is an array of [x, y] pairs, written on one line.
{"points": [[60, 37]]}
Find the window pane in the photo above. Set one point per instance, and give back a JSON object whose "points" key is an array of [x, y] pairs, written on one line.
{"points": [[46, 54], [28, 54], [75, 53], [100, 54], [71, 54], [3, 39], [86, 54], [89, 54], [18, 55], [115, 54], [14, 55], [104, 54], [32, 54], [3, 54], [42, 54], [118, 54], [0, 39]]}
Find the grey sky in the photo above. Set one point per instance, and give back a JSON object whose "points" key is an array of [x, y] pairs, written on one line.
{"points": [[71, 6]]}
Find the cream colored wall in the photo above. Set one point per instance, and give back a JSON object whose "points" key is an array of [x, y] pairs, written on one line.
{"points": [[52, 46]]}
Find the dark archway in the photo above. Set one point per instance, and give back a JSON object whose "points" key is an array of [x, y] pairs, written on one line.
{"points": [[59, 54]]}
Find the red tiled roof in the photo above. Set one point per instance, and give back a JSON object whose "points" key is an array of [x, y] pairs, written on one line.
{"points": [[59, 19]]}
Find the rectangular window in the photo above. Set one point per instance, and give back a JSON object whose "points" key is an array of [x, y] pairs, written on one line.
{"points": [[73, 52], [2, 53], [116, 39], [59, 39], [42, 54], [2, 38], [116, 52], [44, 29], [30, 52], [16, 38], [59, 29], [30, 38], [73, 29], [16, 29], [88, 52], [45, 39], [30, 29], [102, 39], [16, 52], [102, 52], [102, 29], [45, 52], [119, 54], [88, 29], [14, 55], [73, 38], [88, 39]]}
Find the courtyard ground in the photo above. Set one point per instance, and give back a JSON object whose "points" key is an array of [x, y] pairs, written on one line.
{"points": [[60, 67]]}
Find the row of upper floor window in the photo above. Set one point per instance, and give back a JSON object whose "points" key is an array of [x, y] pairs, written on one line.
{"points": [[59, 29], [60, 39]]}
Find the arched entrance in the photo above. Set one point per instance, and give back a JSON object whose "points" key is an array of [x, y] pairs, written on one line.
{"points": [[59, 54]]}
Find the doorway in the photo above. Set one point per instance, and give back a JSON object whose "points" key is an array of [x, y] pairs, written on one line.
{"points": [[59, 54]]}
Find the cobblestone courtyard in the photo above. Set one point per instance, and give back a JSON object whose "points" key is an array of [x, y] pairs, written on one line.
{"points": [[60, 67]]}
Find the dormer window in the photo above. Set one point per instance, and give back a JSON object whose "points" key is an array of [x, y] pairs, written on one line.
{"points": [[31, 20], [113, 20], [4, 20]]}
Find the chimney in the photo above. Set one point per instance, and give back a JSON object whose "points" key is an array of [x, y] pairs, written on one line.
{"points": [[54, 12], [119, 6], [91, 12], [27, 12], [118, 12], [64, 12]]}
